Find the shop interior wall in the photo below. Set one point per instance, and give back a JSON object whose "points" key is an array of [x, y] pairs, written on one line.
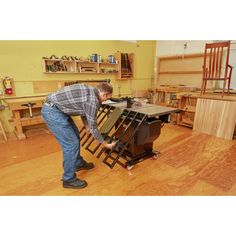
{"points": [[22, 60], [185, 47]]}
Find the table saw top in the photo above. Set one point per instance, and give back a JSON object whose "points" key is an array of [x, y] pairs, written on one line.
{"points": [[151, 110]]}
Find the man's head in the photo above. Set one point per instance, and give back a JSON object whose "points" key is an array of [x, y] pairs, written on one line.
{"points": [[105, 91]]}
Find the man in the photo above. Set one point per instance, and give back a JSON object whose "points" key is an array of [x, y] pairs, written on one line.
{"points": [[82, 100]]}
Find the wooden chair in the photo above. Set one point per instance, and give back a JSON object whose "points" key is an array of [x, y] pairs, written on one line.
{"points": [[216, 65]]}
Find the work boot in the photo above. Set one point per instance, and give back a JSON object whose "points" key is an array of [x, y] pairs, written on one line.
{"points": [[76, 184], [85, 166]]}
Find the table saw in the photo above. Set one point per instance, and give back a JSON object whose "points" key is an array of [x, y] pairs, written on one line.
{"points": [[133, 129]]}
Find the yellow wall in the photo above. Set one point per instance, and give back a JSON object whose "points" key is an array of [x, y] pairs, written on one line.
{"points": [[22, 60]]}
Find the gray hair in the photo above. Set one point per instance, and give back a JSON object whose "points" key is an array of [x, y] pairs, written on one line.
{"points": [[105, 88]]}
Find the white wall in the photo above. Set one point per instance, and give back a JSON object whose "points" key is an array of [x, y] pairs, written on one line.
{"points": [[181, 47]]}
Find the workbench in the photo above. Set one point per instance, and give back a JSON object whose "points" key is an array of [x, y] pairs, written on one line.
{"points": [[25, 112], [133, 129]]}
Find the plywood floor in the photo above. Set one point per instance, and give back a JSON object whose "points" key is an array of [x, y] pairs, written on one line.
{"points": [[190, 163]]}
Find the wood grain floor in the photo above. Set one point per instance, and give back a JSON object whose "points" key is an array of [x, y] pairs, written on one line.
{"points": [[190, 163]]}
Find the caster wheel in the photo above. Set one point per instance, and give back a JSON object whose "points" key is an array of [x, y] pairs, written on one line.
{"points": [[129, 167], [155, 157]]}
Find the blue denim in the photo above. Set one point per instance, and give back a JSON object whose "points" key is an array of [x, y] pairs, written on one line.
{"points": [[67, 134]]}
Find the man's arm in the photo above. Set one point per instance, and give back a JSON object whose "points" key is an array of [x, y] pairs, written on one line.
{"points": [[85, 122], [91, 118]]}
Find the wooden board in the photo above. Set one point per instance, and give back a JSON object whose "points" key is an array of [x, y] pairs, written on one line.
{"points": [[215, 117]]}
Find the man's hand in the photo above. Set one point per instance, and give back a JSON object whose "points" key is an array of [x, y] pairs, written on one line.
{"points": [[109, 145]]}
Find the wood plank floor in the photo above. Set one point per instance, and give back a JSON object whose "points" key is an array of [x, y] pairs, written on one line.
{"points": [[190, 163]]}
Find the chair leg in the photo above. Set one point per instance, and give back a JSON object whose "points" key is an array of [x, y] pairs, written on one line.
{"points": [[229, 80], [203, 81], [223, 92], [204, 86]]}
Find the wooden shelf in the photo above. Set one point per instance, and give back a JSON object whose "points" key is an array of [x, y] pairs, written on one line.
{"points": [[181, 72], [91, 73], [115, 73], [107, 64], [87, 62], [61, 72], [60, 66]]}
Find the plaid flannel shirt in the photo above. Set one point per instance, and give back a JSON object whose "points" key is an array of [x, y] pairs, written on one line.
{"points": [[82, 100]]}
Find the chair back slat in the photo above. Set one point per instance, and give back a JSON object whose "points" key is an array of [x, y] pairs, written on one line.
{"points": [[221, 56], [210, 64], [213, 63], [217, 75]]}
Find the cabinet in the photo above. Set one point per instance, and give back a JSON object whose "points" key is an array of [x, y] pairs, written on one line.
{"points": [[187, 106], [80, 67], [126, 65]]}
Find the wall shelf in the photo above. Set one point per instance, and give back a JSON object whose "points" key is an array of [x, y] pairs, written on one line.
{"points": [[59, 66], [122, 67]]}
